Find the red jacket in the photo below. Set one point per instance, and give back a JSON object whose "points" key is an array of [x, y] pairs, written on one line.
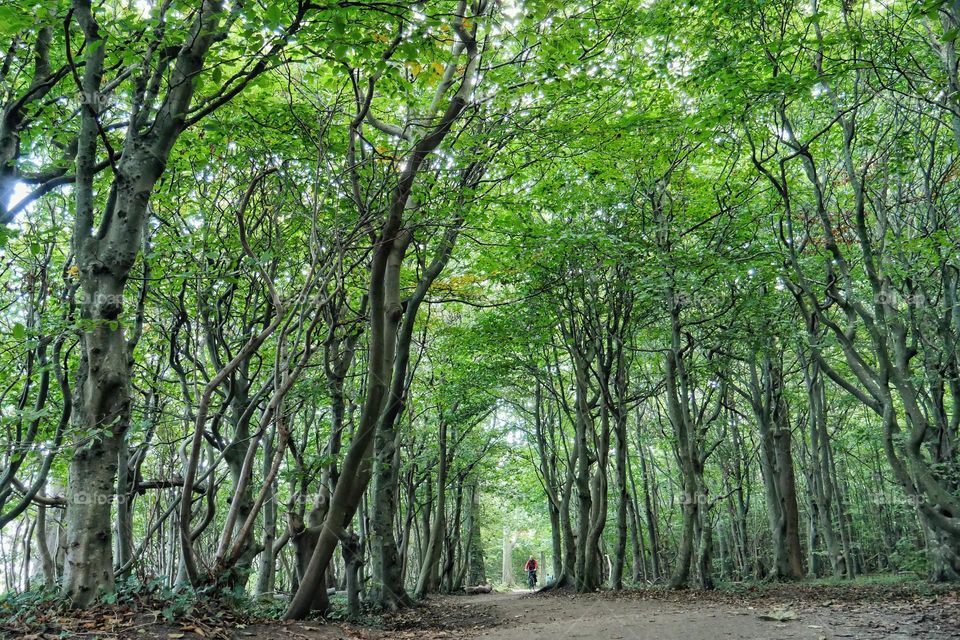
{"points": [[531, 565]]}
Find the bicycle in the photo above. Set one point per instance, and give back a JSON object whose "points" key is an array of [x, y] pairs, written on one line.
{"points": [[532, 578]]}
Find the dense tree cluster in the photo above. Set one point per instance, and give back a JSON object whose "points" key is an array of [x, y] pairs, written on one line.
{"points": [[302, 297]]}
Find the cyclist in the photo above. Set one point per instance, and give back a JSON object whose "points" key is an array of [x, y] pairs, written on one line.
{"points": [[531, 568]]}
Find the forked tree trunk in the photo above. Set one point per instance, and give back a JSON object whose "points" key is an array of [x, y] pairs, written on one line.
{"points": [[357, 464], [389, 591], [593, 576], [690, 458], [776, 465], [104, 259]]}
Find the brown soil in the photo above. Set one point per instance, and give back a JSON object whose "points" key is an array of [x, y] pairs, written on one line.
{"points": [[792, 612]]}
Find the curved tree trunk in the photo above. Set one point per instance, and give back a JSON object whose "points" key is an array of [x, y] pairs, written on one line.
{"points": [[427, 578]]}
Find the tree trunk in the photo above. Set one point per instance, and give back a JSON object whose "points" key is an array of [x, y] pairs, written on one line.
{"points": [[88, 568], [639, 561], [383, 317], [506, 574], [47, 562], [266, 577], [685, 456], [452, 541], [652, 528], [566, 525], [776, 465], [427, 579], [388, 591], [586, 567], [104, 258], [353, 561], [821, 483], [476, 572], [592, 576], [623, 500]]}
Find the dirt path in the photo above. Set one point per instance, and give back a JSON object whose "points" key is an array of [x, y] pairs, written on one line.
{"points": [[787, 614], [562, 617], [783, 612]]}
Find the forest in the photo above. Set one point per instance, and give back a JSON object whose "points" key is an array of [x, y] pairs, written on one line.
{"points": [[341, 308]]}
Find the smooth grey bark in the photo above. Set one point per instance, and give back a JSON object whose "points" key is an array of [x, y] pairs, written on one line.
{"points": [[648, 506], [765, 394], [476, 570], [239, 415], [506, 564], [588, 335], [409, 522], [690, 426], [545, 428], [47, 563], [427, 578], [104, 259], [690, 484], [586, 566], [451, 542], [557, 384], [623, 500], [388, 589], [622, 443], [884, 378], [595, 331], [267, 573], [387, 569], [304, 536], [820, 479], [638, 559], [339, 352]]}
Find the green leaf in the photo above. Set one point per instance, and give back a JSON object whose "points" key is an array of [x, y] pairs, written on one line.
{"points": [[273, 15], [13, 20]]}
